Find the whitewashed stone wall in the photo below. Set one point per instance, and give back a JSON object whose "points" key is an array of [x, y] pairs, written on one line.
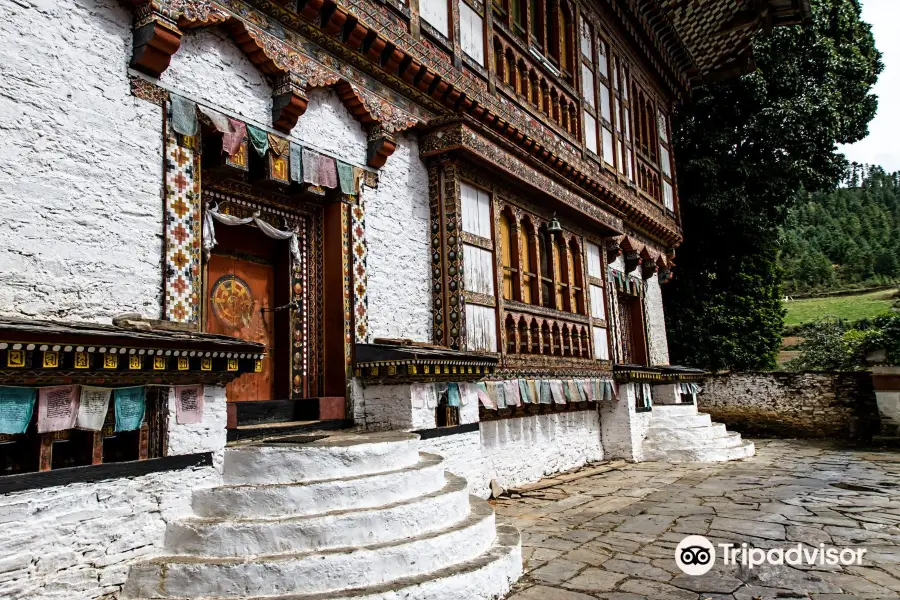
{"points": [[656, 323], [77, 541], [211, 68], [399, 262], [81, 166], [521, 450], [392, 407], [623, 428]]}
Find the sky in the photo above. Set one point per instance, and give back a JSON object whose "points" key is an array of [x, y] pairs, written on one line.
{"points": [[881, 147]]}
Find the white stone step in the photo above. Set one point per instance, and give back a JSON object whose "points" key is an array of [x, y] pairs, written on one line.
{"points": [[674, 410], [691, 435], [729, 440], [702, 454], [330, 571], [422, 515], [661, 420], [486, 577], [260, 501], [337, 456]]}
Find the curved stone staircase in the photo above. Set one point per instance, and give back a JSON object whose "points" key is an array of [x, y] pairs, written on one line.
{"points": [[679, 433], [356, 517]]}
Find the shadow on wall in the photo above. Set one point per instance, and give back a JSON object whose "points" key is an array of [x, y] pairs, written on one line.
{"points": [[794, 405]]}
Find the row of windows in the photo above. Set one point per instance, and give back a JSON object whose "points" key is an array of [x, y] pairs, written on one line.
{"points": [[538, 268], [619, 122]]}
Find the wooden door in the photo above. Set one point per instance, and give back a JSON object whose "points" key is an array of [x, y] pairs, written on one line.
{"points": [[239, 290]]}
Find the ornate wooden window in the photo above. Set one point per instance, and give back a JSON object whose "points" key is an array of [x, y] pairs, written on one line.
{"points": [[471, 32], [437, 14], [665, 160], [597, 294], [545, 251], [478, 277], [509, 255], [529, 250]]}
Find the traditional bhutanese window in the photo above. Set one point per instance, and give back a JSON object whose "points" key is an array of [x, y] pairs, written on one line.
{"points": [[605, 109], [545, 252], [608, 147], [668, 196], [471, 33], [476, 211], [528, 273], [437, 14], [478, 276], [598, 308], [587, 36], [621, 157], [601, 343], [590, 132], [481, 328], [593, 257], [576, 276], [508, 259], [479, 273], [518, 16], [629, 169], [587, 85], [565, 40], [562, 274], [663, 129], [602, 58], [664, 161], [536, 16]]}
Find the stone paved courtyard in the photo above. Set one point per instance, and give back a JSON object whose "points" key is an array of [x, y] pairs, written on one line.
{"points": [[612, 536]]}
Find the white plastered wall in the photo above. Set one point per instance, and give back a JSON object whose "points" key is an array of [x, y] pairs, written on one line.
{"points": [[77, 541], [623, 428], [656, 323], [521, 450], [80, 166]]}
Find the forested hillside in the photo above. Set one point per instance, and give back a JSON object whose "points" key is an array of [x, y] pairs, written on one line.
{"points": [[845, 238]]}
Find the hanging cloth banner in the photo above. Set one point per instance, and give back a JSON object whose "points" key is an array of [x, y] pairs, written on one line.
{"points": [[525, 391], [556, 389], [188, 404], [259, 139], [319, 170], [219, 121], [16, 408], [184, 116], [493, 390], [512, 393], [278, 145], [484, 397], [212, 215], [359, 176], [93, 408], [585, 390], [546, 395], [453, 396], [296, 162], [572, 392], [130, 407], [231, 142], [57, 408], [345, 176]]}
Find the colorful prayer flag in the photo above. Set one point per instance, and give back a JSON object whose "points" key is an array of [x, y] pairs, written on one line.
{"points": [[453, 395], [57, 408], [93, 407], [16, 408], [130, 407], [557, 391], [188, 404], [512, 393]]}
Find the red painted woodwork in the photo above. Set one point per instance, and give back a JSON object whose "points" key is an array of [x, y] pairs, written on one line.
{"points": [[237, 291]]}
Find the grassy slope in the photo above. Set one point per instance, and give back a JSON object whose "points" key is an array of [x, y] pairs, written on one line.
{"points": [[849, 308]]}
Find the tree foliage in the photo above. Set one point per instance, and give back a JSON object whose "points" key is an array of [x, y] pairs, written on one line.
{"points": [[845, 237], [744, 148]]}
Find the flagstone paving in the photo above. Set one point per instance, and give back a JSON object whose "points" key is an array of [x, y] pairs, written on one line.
{"points": [[613, 536]]}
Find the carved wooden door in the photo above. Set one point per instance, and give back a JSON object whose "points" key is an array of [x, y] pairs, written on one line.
{"points": [[240, 295]]}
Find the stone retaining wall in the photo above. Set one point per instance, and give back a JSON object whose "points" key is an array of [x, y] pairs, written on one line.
{"points": [[810, 405]]}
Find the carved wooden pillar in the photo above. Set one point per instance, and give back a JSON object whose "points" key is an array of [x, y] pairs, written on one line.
{"points": [[289, 102], [155, 39]]}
